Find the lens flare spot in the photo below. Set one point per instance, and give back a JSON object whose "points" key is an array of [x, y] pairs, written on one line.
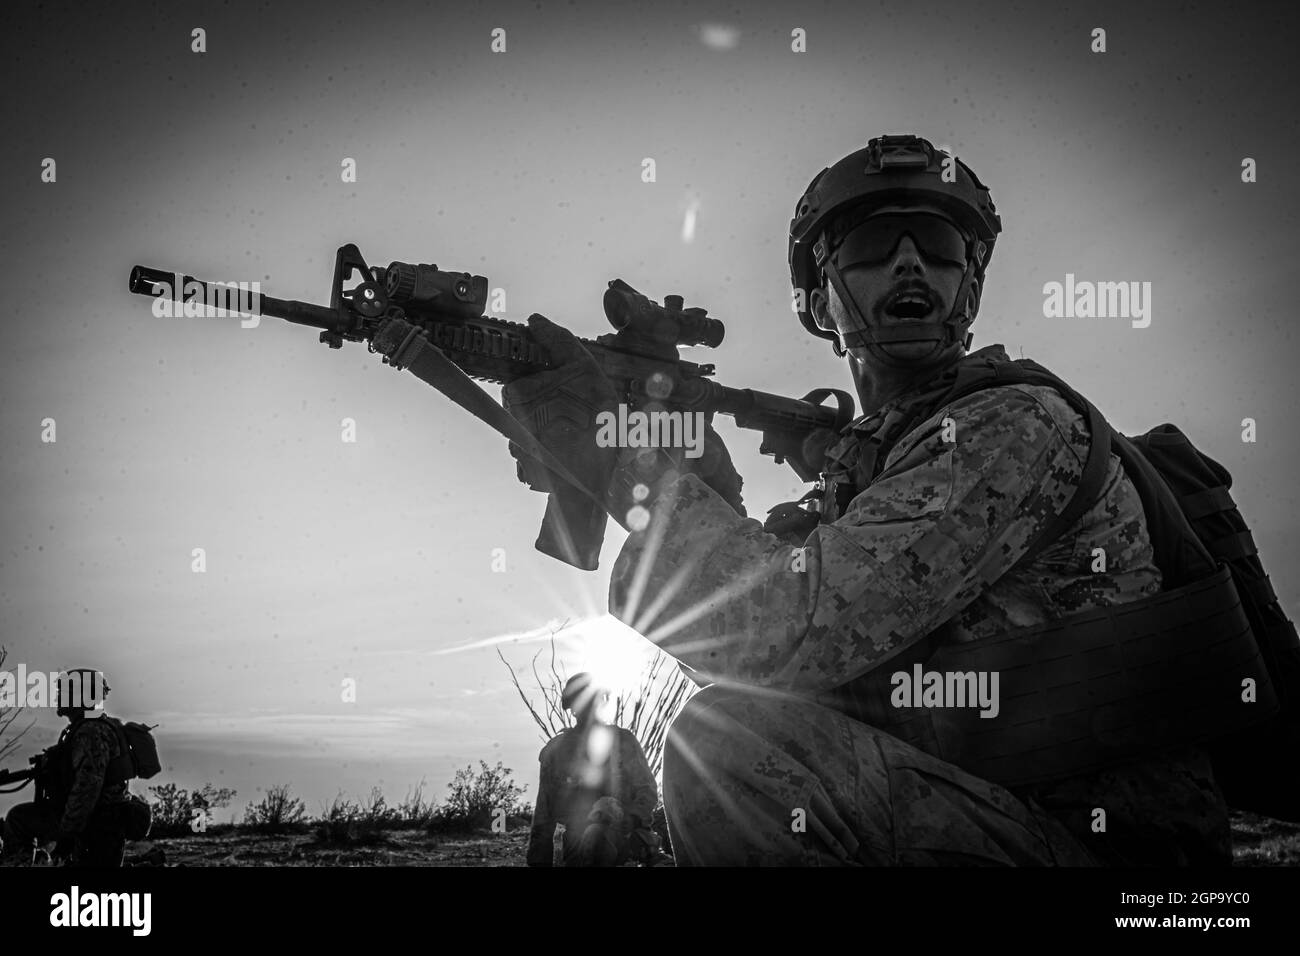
{"points": [[688, 222], [658, 385], [719, 36], [638, 518]]}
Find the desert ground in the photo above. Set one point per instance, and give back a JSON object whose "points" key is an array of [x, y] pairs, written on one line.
{"points": [[1259, 841]]}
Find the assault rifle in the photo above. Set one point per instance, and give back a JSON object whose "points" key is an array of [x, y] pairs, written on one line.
{"points": [[432, 322]]}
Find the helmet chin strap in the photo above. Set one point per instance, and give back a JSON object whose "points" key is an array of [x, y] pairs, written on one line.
{"points": [[945, 333]]}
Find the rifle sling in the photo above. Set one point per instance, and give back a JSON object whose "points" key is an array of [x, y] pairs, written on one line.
{"points": [[426, 361]]}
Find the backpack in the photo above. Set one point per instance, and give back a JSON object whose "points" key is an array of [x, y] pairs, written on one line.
{"points": [[139, 751], [1196, 529]]}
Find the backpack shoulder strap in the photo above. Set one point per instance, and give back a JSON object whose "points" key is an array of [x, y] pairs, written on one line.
{"points": [[120, 768], [1086, 493], [116, 726]]}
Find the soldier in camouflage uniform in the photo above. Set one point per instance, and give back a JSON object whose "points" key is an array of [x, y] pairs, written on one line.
{"points": [[595, 780], [91, 811], [926, 516]]}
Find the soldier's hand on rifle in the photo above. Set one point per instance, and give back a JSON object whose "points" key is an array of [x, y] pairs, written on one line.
{"points": [[559, 407], [653, 469]]}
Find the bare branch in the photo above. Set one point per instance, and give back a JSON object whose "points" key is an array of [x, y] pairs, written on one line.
{"points": [[647, 711], [9, 737], [541, 725]]}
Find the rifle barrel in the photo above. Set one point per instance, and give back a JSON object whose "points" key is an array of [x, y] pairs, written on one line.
{"points": [[145, 279]]}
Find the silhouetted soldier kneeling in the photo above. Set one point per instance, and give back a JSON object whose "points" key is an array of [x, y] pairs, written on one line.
{"points": [[84, 803]]}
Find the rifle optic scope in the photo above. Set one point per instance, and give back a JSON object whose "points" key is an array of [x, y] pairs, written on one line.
{"points": [[667, 324]]}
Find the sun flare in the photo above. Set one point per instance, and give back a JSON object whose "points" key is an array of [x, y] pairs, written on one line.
{"points": [[615, 655]]}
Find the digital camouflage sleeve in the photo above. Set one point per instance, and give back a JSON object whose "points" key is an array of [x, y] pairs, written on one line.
{"points": [[922, 546]]}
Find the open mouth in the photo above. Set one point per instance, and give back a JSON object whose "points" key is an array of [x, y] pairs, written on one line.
{"points": [[909, 305]]}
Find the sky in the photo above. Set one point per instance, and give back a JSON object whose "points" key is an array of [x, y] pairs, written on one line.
{"points": [[373, 560]]}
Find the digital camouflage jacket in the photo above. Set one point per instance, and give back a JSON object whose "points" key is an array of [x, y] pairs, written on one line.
{"points": [[928, 549]]}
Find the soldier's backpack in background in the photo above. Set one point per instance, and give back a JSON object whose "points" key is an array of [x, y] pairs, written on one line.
{"points": [[1195, 529], [139, 751]]}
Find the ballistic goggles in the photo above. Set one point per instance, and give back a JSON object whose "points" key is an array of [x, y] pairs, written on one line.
{"points": [[875, 239]]}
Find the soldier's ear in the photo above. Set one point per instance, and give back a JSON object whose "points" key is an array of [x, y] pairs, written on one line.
{"points": [[819, 309]]}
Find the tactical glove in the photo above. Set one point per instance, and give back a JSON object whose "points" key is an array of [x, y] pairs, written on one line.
{"points": [[559, 407], [788, 519]]}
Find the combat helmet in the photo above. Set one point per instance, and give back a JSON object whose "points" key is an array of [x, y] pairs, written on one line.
{"points": [[79, 689], [895, 170], [579, 691]]}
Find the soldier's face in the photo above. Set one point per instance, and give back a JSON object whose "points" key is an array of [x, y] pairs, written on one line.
{"points": [[906, 285], [595, 707]]}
